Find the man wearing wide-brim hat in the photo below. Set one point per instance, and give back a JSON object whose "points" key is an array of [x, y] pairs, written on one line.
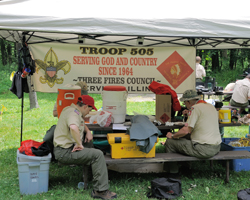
{"points": [[203, 127]]}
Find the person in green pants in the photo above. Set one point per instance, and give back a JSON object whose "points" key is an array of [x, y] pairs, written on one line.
{"points": [[69, 145], [202, 125]]}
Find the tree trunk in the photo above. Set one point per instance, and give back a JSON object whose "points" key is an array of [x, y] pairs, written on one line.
{"points": [[206, 61], [3, 52], [215, 60], [224, 53], [233, 57], [32, 95]]}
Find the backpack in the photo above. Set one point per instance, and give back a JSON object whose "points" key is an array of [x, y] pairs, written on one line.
{"points": [[244, 194], [165, 188], [49, 138]]}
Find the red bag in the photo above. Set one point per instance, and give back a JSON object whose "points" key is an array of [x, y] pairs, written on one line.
{"points": [[26, 145]]}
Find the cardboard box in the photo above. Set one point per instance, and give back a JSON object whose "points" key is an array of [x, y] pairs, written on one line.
{"points": [[122, 147], [163, 108]]}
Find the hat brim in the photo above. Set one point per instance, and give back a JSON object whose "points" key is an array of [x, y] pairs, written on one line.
{"points": [[188, 99], [94, 108]]}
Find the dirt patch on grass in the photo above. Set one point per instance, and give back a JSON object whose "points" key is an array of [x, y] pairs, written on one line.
{"points": [[141, 97]]}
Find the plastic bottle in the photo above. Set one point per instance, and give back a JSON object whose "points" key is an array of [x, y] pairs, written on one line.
{"points": [[81, 185]]}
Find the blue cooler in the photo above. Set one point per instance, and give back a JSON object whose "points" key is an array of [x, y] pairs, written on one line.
{"points": [[236, 164]]}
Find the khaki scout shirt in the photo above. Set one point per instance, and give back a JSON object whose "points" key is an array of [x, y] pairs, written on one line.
{"points": [[200, 71], [203, 118], [241, 91], [62, 136]]}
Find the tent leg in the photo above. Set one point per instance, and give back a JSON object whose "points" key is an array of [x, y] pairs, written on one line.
{"points": [[21, 121]]}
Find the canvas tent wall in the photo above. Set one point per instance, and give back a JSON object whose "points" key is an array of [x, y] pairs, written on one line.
{"points": [[215, 24]]}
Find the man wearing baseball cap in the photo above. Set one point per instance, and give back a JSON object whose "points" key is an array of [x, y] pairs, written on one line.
{"points": [[203, 127], [69, 145]]}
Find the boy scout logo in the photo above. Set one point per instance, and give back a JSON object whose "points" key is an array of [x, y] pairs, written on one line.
{"points": [[51, 66], [175, 69]]}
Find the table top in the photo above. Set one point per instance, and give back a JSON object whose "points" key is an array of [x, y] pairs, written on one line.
{"points": [[96, 127], [211, 93], [230, 92]]}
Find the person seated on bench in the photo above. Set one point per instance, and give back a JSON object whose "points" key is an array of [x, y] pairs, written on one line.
{"points": [[241, 94], [48, 138], [203, 127], [69, 145]]}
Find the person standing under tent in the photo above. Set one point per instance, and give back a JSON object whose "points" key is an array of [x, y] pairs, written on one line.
{"points": [[200, 71], [69, 145]]}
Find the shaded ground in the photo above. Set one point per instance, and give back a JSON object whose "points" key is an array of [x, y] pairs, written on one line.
{"points": [[141, 97]]}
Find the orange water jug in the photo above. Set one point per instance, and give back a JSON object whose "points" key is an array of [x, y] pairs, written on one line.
{"points": [[67, 95]]}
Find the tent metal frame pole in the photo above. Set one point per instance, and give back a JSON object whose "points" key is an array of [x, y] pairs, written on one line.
{"points": [[21, 120], [23, 45]]}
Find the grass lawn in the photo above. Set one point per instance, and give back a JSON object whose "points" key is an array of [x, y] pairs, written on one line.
{"points": [[63, 180]]}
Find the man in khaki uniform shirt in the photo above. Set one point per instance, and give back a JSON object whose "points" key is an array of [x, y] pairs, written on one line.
{"points": [[203, 127], [69, 149], [199, 71], [241, 93]]}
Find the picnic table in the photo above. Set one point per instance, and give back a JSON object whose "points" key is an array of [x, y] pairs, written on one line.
{"points": [[164, 129], [156, 164]]}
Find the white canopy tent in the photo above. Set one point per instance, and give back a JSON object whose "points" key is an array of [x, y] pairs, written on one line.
{"points": [[204, 25], [209, 25]]}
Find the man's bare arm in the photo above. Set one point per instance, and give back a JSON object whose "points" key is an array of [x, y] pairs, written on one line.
{"points": [[74, 130]]}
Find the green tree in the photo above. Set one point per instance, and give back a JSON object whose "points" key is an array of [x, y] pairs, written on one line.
{"points": [[233, 58], [3, 52], [215, 60]]}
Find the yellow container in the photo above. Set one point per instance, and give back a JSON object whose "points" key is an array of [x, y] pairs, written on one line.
{"points": [[122, 147], [225, 116]]}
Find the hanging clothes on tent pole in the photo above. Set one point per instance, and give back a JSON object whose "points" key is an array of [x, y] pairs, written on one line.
{"points": [[19, 82]]}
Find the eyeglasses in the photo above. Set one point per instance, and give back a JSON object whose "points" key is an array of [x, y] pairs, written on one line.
{"points": [[90, 107]]}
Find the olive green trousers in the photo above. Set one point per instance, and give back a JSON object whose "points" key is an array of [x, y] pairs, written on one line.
{"points": [[87, 156], [187, 147]]}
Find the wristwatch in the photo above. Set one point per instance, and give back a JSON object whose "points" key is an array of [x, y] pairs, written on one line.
{"points": [[172, 136]]}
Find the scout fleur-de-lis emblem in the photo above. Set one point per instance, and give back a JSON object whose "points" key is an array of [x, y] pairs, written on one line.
{"points": [[51, 66]]}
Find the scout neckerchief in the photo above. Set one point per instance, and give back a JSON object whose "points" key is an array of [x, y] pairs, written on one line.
{"points": [[199, 101]]}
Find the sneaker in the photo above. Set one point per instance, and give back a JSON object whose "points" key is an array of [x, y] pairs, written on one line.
{"points": [[103, 195]]}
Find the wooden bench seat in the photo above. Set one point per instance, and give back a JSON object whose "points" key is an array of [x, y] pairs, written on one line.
{"points": [[172, 157], [176, 157]]}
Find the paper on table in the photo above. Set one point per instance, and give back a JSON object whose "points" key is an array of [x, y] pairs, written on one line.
{"points": [[120, 127]]}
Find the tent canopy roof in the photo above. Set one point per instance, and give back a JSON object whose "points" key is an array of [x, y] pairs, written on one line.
{"points": [[218, 24]]}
